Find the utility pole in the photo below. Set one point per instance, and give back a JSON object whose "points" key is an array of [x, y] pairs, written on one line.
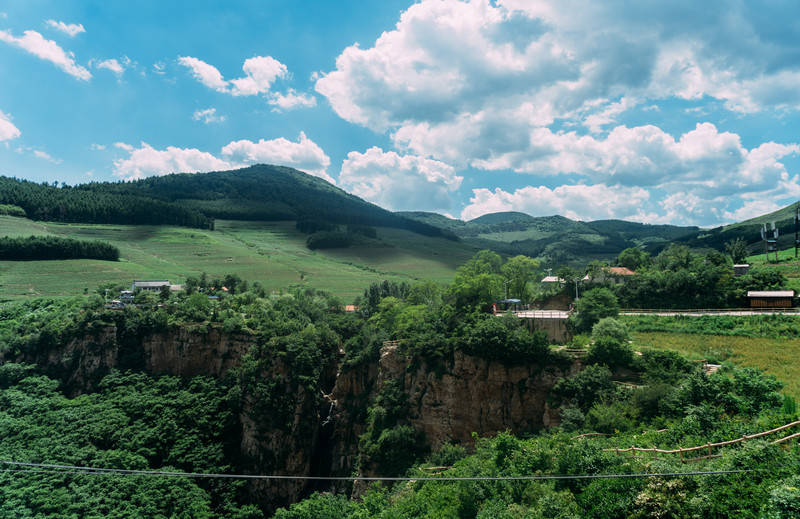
{"points": [[796, 226]]}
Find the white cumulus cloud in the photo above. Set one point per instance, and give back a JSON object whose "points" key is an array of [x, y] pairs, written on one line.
{"points": [[70, 29], [146, 161], [48, 50], [579, 202], [205, 73], [260, 73], [304, 154], [483, 83], [291, 99], [399, 182], [113, 65], [7, 129]]}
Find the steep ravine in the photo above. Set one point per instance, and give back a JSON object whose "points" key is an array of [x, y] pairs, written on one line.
{"points": [[447, 400]]}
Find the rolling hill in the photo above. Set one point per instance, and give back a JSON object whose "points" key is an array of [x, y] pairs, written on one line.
{"points": [[555, 239], [259, 193], [749, 230]]}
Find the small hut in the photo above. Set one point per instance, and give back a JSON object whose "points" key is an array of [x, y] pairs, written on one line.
{"points": [[771, 298]]}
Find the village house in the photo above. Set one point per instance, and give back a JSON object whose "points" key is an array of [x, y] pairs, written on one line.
{"points": [[616, 275], [154, 286]]}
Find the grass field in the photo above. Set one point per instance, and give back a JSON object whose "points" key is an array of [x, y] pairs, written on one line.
{"points": [[780, 357], [273, 253]]}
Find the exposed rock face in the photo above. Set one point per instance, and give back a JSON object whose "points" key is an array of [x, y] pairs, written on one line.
{"points": [[318, 434], [473, 395], [447, 402], [181, 351]]}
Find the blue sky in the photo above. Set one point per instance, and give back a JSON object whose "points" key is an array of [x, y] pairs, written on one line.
{"points": [[665, 112]]}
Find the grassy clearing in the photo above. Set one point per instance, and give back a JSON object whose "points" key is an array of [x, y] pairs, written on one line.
{"points": [[776, 326], [273, 253], [780, 357]]}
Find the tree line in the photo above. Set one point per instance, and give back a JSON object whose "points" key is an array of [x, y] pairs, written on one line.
{"points": [[55, 248]]}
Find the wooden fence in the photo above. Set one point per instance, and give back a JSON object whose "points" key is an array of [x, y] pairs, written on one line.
{"points": [[711, 446]]}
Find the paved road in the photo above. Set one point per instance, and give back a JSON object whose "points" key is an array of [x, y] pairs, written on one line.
{"points": [[697, 313]]}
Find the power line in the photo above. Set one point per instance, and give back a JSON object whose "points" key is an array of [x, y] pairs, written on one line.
{"points": [[23, 467]]}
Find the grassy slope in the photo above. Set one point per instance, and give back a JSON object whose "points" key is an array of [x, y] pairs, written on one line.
{"points": [[780, 357], [785, 213], [271, 252]]}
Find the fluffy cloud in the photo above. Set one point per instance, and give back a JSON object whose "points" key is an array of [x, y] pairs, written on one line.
{"points": [[579, 202], [208, 116], [304, 154], [48, 50], [70, 29], [7, 129], [205, 73], [114, 66], [147, 161], [260, 73], [751, 209], [399, 182], [290, 100], [704, 159], [482, 82]]}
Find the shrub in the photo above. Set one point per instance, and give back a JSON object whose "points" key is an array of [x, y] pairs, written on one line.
{"points": [[585, 388], [328, 240], [612, 328], [593, 306], [611, 352]]}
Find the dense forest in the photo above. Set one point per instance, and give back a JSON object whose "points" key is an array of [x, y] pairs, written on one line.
{"points": [[129, 419], [55, 248], [73, 204]]}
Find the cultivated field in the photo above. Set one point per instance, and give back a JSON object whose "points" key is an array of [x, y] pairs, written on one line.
{"points": [[273, 253]]}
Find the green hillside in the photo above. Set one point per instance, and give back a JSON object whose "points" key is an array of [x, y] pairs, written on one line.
{"points": [[748, 230], [261, 193], [273, 253], [554, 239]]}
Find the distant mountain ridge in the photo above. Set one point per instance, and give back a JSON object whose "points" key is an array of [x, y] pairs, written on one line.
{"points": [[555, 239]]}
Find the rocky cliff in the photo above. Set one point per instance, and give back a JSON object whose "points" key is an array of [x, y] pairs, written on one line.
{"points": [[289, 430]]}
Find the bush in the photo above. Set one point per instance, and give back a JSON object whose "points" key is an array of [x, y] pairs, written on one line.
{"points": [[611, 352], [611, 328], [328, 240], [593, 306], [585, 388]]}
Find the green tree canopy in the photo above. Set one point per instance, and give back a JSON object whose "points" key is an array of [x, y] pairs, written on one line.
{"points": [[593, 306], [518, 272]]}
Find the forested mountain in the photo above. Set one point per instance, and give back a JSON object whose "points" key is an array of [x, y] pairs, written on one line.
{"points": [[260, 192]]}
